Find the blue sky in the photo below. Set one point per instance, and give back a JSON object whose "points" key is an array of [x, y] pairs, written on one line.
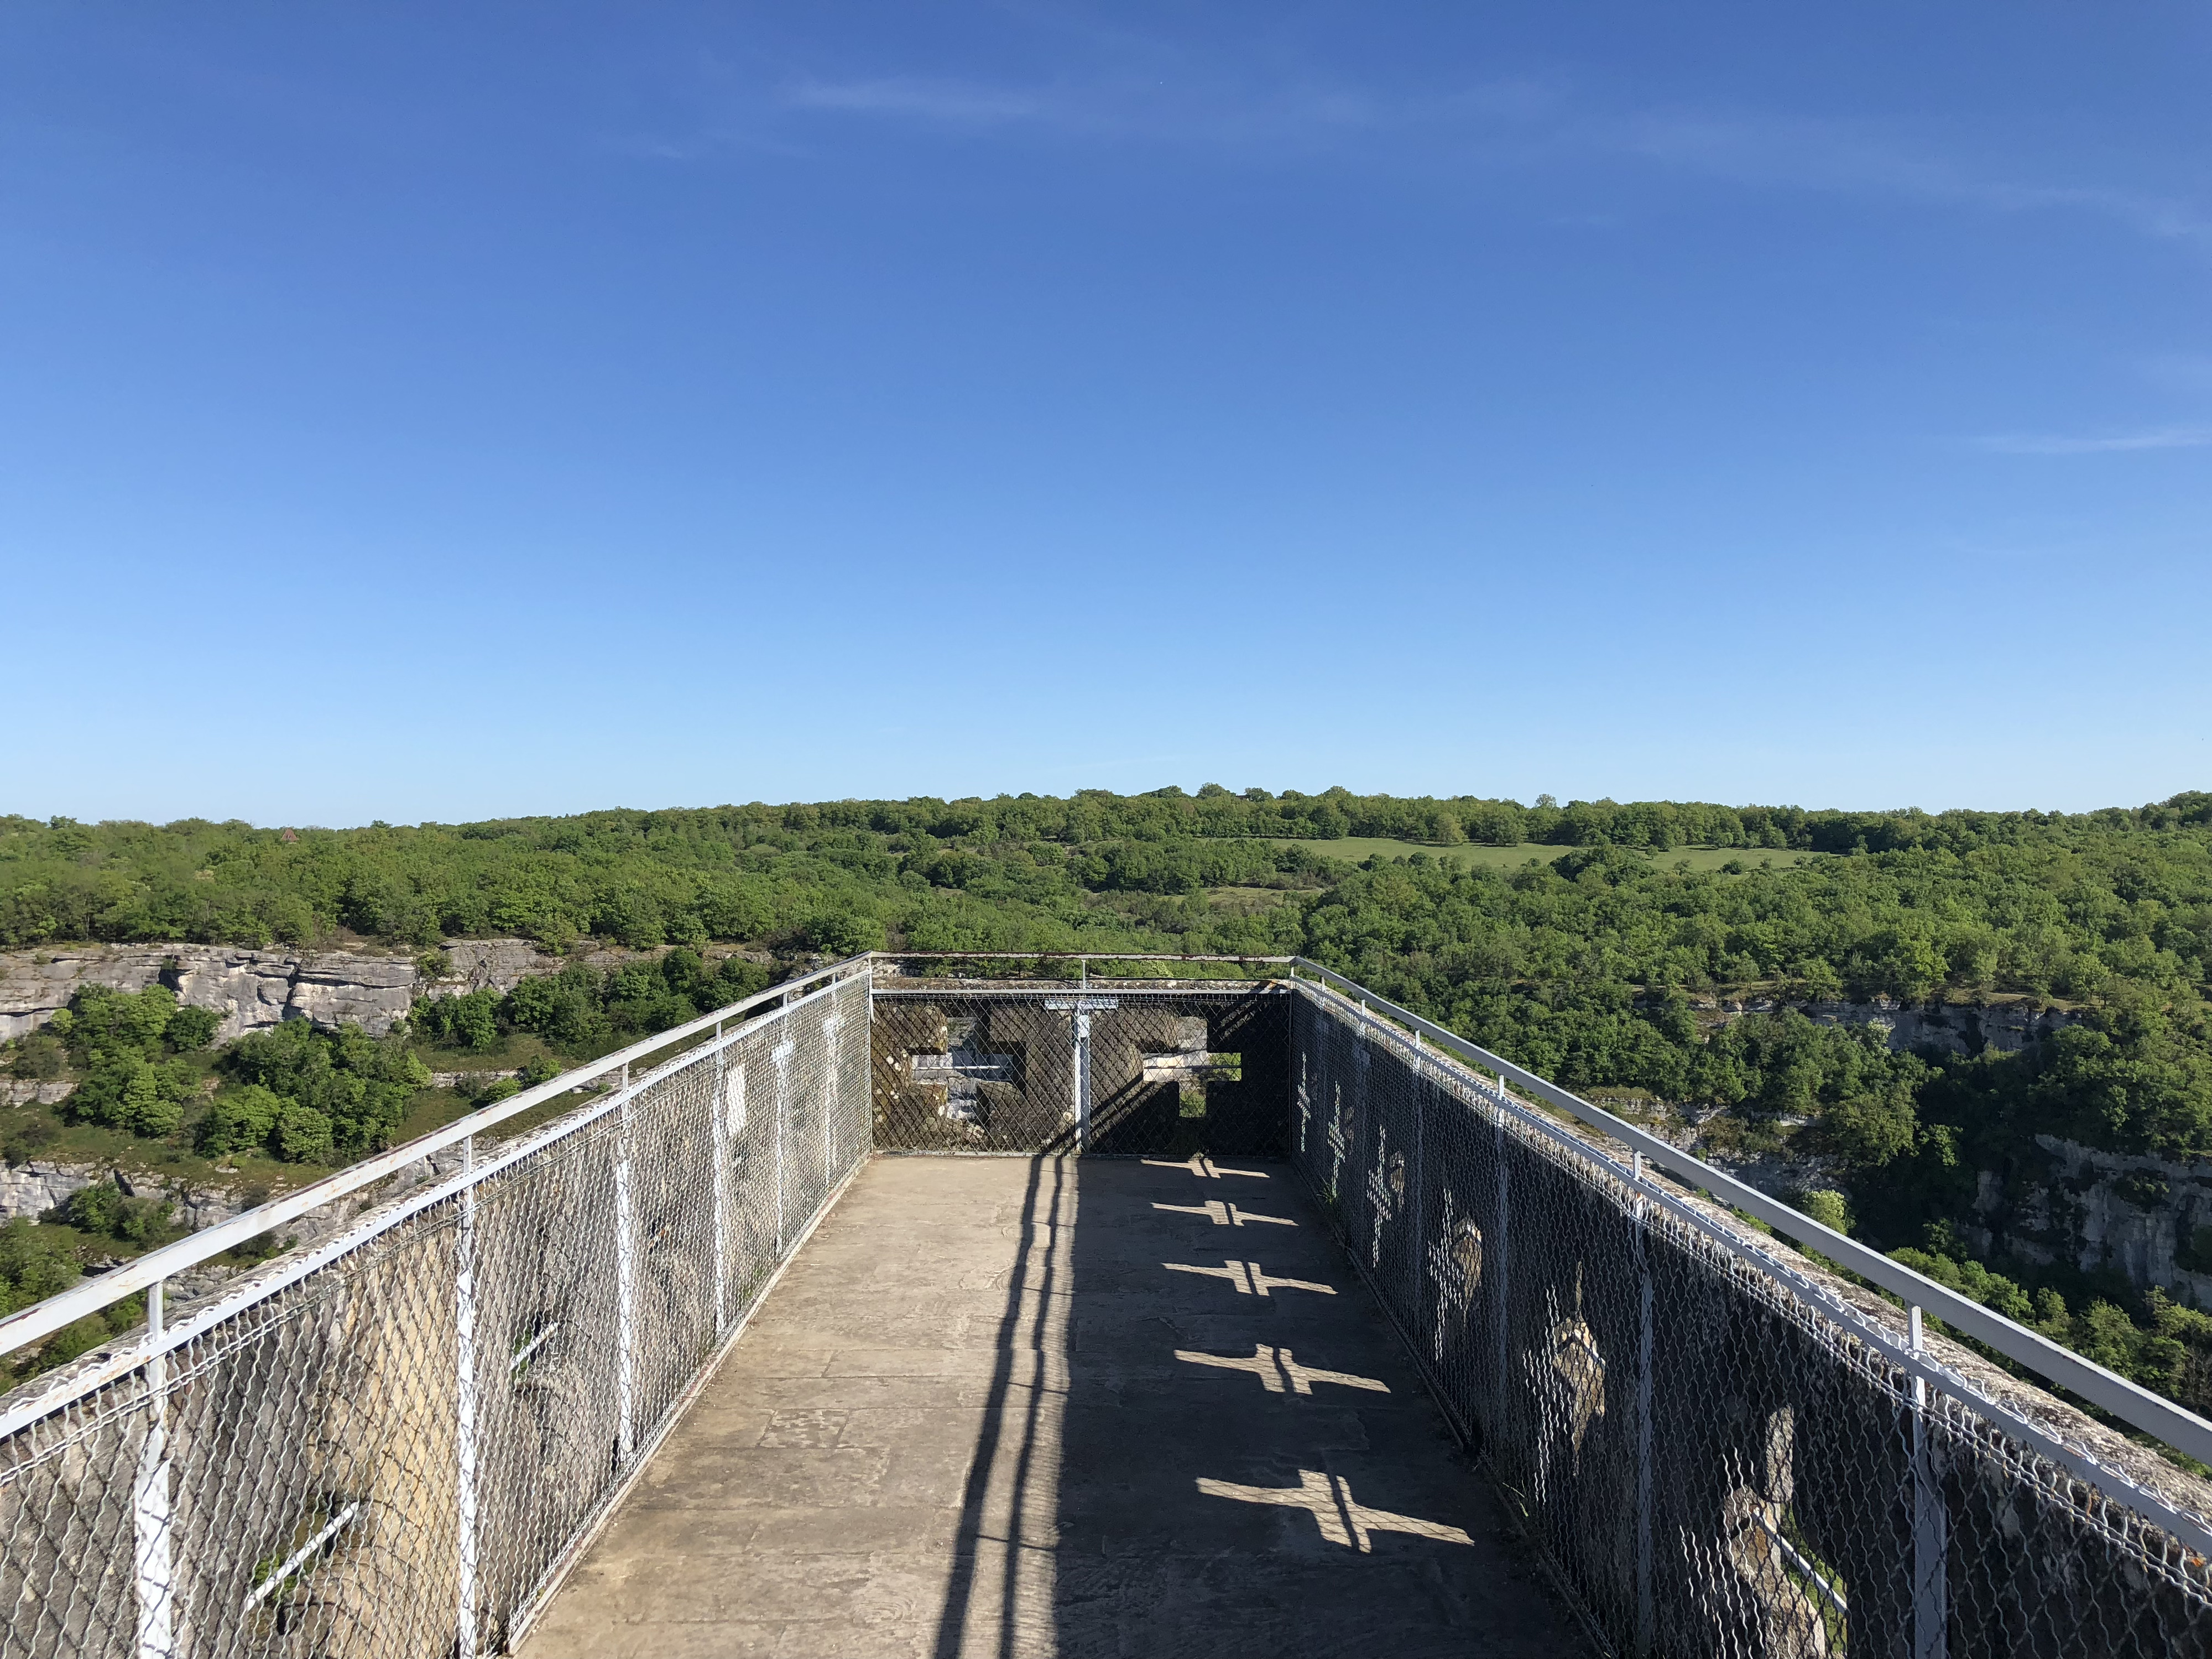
{"points": [[441, 412]]}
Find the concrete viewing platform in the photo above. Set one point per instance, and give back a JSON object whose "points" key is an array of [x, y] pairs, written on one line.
{"points": [[1009, 1405]]}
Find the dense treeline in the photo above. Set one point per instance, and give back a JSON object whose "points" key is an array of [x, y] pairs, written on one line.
{"points": [[1602, 965], [1586, 970], [1600, 969], [296, 1094], [1007, 872]]}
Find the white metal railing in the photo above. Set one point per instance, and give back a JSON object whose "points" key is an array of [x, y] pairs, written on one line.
{"points": [[1660, 1386], [431, 1408], [393, 1439], [41, 1320], [2178, 1427]]}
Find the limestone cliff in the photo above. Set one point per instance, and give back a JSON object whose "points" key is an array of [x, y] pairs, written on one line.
{"points": [[251, 989], [2148, 1219], [31, 1189], [2007, 1028], [255, 990]]}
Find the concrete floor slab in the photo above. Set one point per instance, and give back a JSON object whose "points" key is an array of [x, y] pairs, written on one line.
{"points": [[1009, 1406]]}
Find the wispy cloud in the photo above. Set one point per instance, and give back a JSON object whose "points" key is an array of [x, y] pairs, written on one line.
{"points": [[1509, 122], [1172, 110], [2171, 437], [1867, 158], [959, 102]]}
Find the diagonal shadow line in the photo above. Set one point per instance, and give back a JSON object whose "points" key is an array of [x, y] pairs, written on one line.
{"points": [[960, 1594]]}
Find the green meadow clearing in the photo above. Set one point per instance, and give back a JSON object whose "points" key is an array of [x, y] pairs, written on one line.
{"points": [[1358, 850]]}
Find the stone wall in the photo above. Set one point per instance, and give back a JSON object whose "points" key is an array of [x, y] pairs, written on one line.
{"points": [[493, 965], [33, 1188], [25, 1091]]}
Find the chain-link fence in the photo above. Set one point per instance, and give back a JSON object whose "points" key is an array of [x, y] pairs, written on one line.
{"points": [[391, 1440], [388, 1444], [1098, 1068], [1719, 1452]]}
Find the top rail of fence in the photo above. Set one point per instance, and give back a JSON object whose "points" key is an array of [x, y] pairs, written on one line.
{"points": [[2173, 1425], [42, 1319], [1073, 955], [2133, 1404]]}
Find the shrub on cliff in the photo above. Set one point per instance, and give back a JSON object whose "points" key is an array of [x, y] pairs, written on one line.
{"points": [[130, 1048], [563, 1009], [338, 1093], [34, 1265], [581, 1009], [240, 1119], [106, 1211], [128, 1091], [470, 1022]]}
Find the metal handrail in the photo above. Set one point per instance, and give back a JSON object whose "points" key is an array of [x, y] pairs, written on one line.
{"points": [[2174, 1424], [2178, 1427], [1068, 956], [165, 1336], [42, 1319]]}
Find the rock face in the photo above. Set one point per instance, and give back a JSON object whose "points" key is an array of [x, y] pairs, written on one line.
{"points": [[494, 964], [256, 989], [2007, 1028], [22, 1091], [251, 989], [31, 1189], [2149, 1218]]}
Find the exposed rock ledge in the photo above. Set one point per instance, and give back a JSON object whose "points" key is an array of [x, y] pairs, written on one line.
{"points": [[32, 1189], [2004, 1027], [251, 989]]}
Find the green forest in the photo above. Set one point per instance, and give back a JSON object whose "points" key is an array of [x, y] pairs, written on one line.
{"points": [[1598, 958]]}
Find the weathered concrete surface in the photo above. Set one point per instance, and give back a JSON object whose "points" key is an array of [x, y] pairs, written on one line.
{"points": [[1000, 1407]]}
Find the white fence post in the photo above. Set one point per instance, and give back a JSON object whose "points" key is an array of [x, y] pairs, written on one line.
{"points": [[1644, 1612], [1417, 1199], [1931, 1526], [154, 1579], [782, 1055], [464, 1412], [1502, 1231], [833, 1103], [720, 1109], [1082, 1080], [625, 1284]]}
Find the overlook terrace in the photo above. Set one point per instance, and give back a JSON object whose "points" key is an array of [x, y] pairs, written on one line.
{"points": [[896, 1311]]}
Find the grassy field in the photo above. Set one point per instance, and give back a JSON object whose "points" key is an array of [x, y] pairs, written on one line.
{"points": [[1358, 850], [1245, 901]]}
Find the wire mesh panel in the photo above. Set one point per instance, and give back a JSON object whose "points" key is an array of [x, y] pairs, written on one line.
{"points": [[385, 1445], [1715, 1461], [389, 1444], [1097, 1068]]}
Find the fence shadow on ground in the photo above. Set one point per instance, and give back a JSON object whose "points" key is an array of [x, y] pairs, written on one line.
{"points": [[1201, 1438]]}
